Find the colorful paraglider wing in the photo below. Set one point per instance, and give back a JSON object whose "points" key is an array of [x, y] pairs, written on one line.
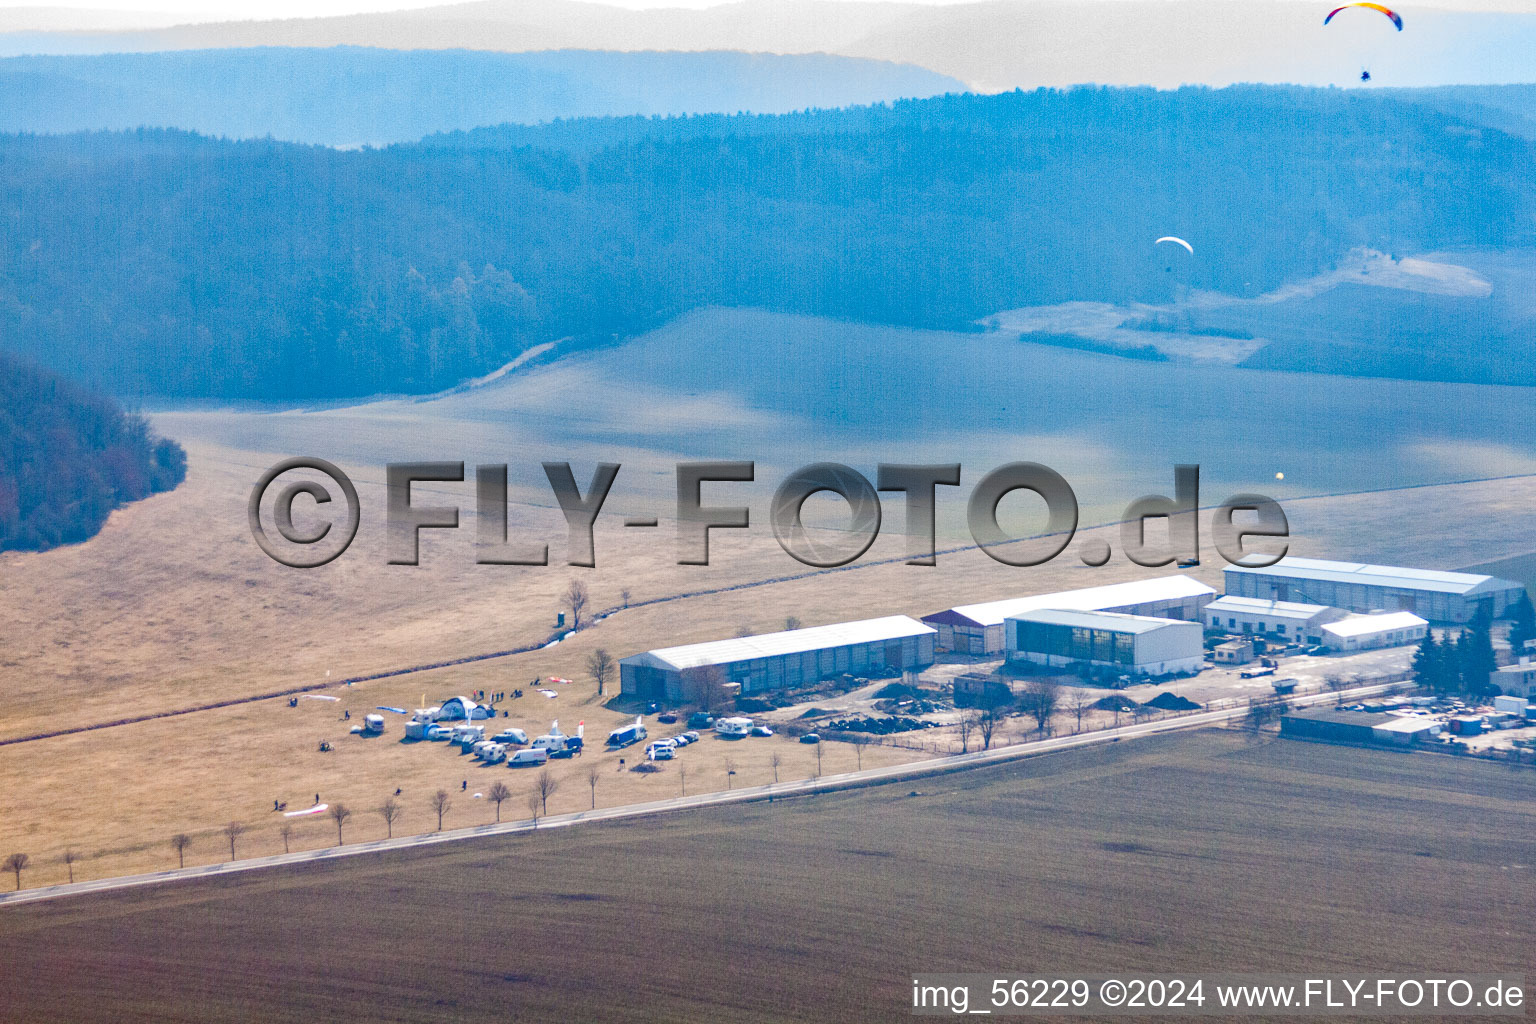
{"points": [[1396, 18], [1175, 241]]}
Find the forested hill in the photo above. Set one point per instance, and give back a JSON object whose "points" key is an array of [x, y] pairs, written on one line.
{"points": [[68, 457], [168, 264], [354, 95]]}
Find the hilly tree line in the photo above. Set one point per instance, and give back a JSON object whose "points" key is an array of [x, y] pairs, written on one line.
{"points": [[69, 456], [168, 264]]}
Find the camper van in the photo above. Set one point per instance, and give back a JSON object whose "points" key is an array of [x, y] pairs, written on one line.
{"points": [[627, 735], [516, 736], [466, 736], [531, 756], [733, 728], [373, 725], [552, 740], [491, 753]]}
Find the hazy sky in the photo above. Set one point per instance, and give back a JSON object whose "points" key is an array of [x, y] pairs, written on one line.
{"points": [[222, 10]]}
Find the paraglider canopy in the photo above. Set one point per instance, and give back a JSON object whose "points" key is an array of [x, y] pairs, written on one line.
{"points": [[1175, 241], [1396, 18]]}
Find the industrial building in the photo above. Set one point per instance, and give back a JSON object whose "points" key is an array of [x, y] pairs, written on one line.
{"points": [[1334, 726], [1252, 616], [978, 628], [1367, 632], [795, 657], [1518, 679], [1132, 644], [1429, 593]]}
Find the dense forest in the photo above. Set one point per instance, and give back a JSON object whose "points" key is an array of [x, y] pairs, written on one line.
{"points": [[168, 264], [68, 457]]}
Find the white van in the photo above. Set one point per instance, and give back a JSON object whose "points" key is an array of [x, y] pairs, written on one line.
{"points": [[512, 736], [373, 724], [523, 758]]}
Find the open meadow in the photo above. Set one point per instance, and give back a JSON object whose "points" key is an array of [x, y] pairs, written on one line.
{"points": [[1205, 851]]}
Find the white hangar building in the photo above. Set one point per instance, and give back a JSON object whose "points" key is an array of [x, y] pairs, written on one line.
{"points": [[1429, 593], [978, 628], [1133, 644], [794, 657]]}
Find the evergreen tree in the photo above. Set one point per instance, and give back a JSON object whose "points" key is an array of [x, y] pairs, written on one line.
{"points": [[1427, 663], [1524, 628], [1477, 661]]}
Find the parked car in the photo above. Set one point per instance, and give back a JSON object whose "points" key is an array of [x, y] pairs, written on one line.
{"points": [[810, 737], [681, 741], [562, 752], [693, 737], [660, 751], [667, 717], [700, 720], [762, 730]]}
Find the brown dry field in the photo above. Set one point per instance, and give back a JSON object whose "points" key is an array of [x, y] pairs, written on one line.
{"points": [[173, 605], [1205, 851]]}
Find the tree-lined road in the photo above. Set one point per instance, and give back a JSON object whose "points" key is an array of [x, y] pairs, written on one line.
{"points": [[848, 780]]}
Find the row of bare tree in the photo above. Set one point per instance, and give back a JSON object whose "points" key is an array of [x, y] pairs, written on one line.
{"points": [[545, 785]]}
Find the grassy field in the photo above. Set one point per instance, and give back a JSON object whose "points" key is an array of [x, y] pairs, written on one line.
{"points": [[1201, 852], [173, 606], [131, 624]]}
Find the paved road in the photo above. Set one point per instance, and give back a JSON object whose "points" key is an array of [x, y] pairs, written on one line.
{"points": [[849, 780]]}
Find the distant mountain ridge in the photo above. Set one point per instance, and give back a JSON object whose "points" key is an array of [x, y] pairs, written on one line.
{"points": [[355, 96], [992, 45], [166, 264]]}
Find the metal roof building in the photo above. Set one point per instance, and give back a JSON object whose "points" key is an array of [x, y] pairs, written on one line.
{"points": [[1129, 644], [978, 628], [795, 657], [1430, 593], [1333, 726], [1364, 632], [1291, 620]]}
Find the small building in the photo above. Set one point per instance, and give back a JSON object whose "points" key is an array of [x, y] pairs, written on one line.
{"points": [[973, 691], [977, 629], [1333, 726], [1287, 620], [1233, 652], [1132, 644], [1360, 587], [1368, 632], [1467, 725], [773, 661], [1518, 679], [1406, 730]]}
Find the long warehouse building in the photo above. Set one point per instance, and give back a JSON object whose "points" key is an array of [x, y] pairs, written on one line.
{"points": [[1429, 593], [796, 657], [978, 628]]}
